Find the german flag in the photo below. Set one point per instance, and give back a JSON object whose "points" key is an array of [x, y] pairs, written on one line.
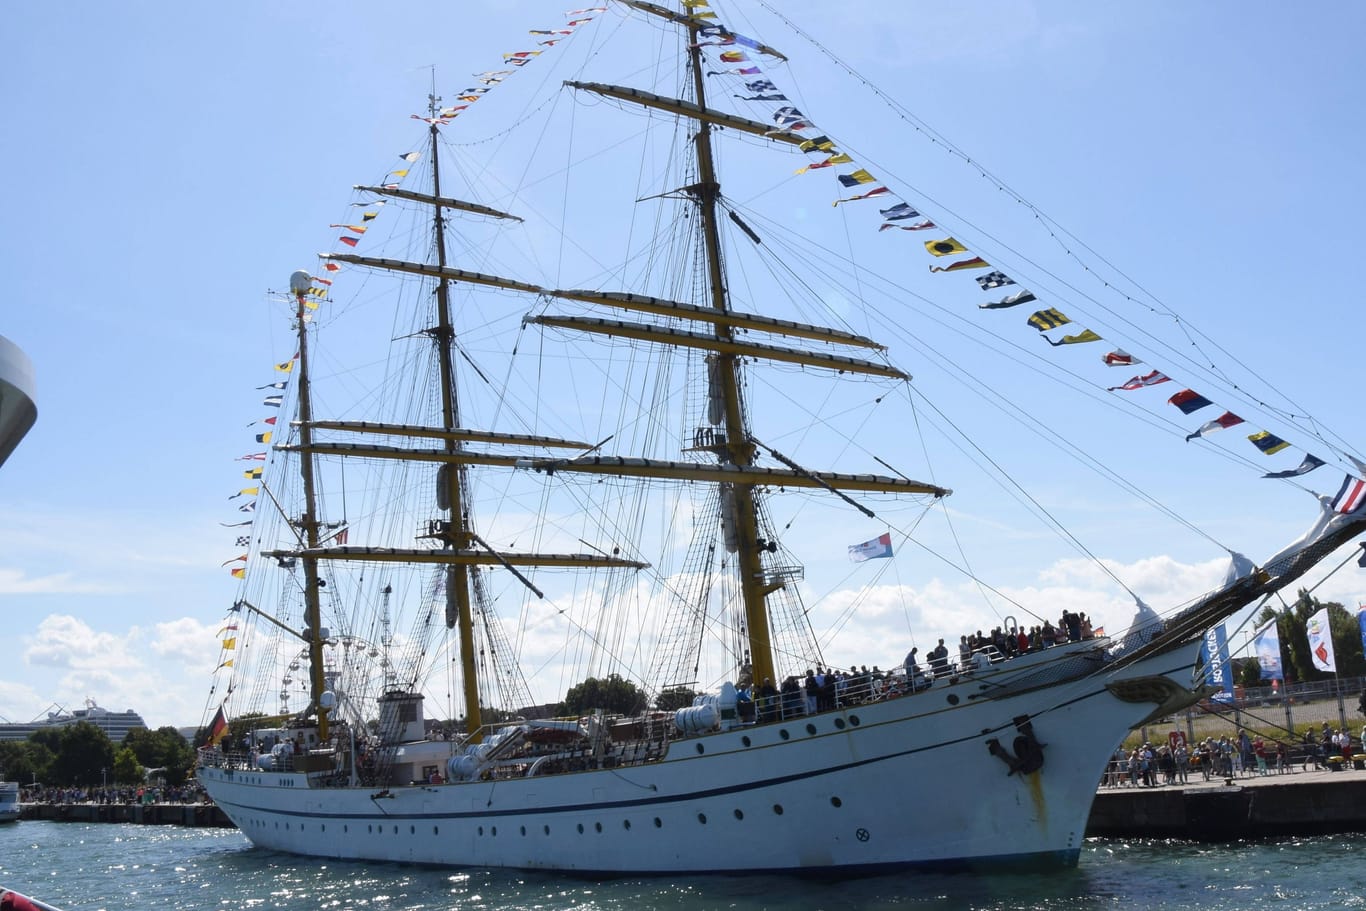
{"points": [[218, 727]]}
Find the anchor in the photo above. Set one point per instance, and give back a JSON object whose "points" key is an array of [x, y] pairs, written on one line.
{"points": [[1028, 755]]}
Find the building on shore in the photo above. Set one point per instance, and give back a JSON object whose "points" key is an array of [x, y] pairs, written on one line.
{"points": [[114, 724]]}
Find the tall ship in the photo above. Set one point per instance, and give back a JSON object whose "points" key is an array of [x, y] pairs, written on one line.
{"points": [[535, 442]]}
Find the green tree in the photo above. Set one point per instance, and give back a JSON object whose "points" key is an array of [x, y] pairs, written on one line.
{"points": [[163, 749], [82, 753], [127, 769], [674, 698], [1249, 673], [25, 761], [612, 694]]}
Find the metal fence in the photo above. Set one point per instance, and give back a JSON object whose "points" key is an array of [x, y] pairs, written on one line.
{"points": [[1279, 711]]}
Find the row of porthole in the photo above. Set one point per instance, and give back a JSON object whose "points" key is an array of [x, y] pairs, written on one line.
{"points": [[659, 823], [786, 735], [372, 829], [597, 826]]}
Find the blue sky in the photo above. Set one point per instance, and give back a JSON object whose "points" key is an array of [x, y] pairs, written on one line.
{"points": [[170, 165]]}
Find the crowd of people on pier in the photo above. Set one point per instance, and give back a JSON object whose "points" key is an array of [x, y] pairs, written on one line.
{"points": [[190, 792], [1236, 756]]}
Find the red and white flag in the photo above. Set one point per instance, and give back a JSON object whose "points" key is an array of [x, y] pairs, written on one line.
{"points": [[1351, 495]]}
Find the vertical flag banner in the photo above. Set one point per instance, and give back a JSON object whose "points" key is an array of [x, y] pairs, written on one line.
{"points": [[1266, 643], [1214, 657], [218, 727], [1361, 621], [870, 550], [1321, 641]]}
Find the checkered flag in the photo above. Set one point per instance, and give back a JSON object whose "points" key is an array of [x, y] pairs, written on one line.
{"points": [[994, 280]]}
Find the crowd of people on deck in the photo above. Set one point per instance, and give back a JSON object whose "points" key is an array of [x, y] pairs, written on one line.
{"points": [[977, 650], [822, 688], [1241, 755]]}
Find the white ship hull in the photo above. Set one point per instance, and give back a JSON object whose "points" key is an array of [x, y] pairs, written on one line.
{"points": [[893, 784], [9, 801]]}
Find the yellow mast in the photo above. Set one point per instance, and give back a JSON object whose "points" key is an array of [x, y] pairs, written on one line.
{"points": [[737, 450], [459, 613], [299, 284]]}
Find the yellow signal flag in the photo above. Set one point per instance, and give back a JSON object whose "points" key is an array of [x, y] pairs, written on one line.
{"points": [[946, 247], [1268, 443], [1086, 335]]}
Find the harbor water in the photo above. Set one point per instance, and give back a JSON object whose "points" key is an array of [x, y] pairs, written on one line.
{"points": [[125, 866]]}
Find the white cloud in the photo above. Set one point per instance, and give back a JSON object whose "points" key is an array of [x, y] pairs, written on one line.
{"points": [[17, 582], [71, 662], [64, 641]]}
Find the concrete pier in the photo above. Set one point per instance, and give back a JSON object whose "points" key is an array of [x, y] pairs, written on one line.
{"points": [[159, 814], [1295, 803]]}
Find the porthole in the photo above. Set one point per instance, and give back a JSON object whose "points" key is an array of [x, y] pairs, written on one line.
{"points": [[839, 723], [953, 698], [494, 831], [412, 830], [853, 719], [369, 828], [702, 818], [836, 802], [778, 809], [658, 823], [346, 829], [547, 830], [395, 830], [580, 828], [745, 740], [324, 827], [436, 830], [810, 729], [626, 824], [784, 734], [597, 827], [739, 814], [481, 830], [523, 830]]}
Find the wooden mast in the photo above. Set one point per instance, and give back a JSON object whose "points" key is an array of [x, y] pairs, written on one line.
{"points": [[308, 521], [459, 611], [741, 510]]}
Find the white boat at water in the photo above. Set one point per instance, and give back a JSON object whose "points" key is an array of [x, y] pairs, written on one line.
{"points": [[383, 534], [9, 801]]}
